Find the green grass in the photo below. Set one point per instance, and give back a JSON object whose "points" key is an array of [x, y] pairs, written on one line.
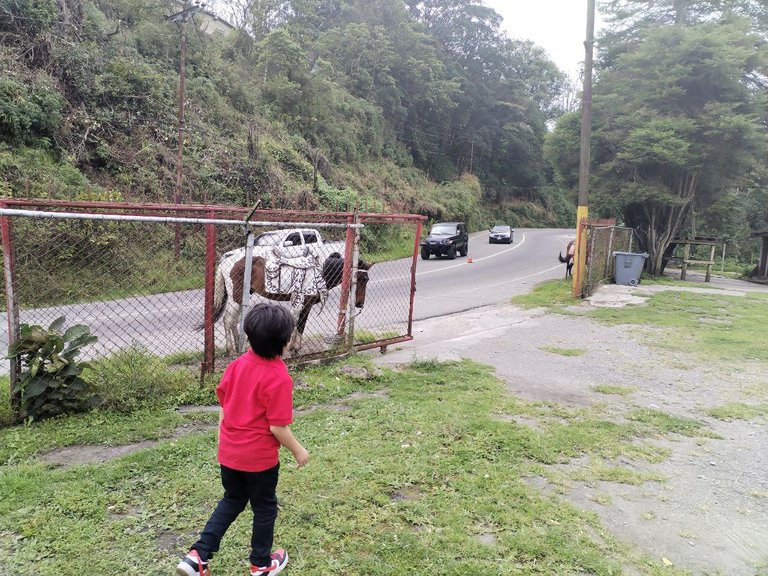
{"points": [[565, 351], [600, 472], [613, 389], [722, 328], [740, 411], [665, 423], [367, 336], [416, 472], [716, 327], [555, 295]]}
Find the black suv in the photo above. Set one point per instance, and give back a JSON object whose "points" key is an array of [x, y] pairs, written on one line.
{"points": [[446, 238]]}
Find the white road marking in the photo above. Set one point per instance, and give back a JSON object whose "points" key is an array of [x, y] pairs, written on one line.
{"points": [[499, 283]]}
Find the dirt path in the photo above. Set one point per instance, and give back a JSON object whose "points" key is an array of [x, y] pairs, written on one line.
{"points": [[710, 514]]}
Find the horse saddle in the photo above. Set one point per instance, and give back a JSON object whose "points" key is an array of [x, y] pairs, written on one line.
{"points": [[299, 276]]}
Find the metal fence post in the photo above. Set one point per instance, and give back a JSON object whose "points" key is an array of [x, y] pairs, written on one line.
{"points": [[353, 282], [209, 352], [341, 323], [246, 305], [9, 272]]}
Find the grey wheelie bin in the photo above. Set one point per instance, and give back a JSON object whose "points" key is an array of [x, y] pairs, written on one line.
{"points": [[628, 267]]}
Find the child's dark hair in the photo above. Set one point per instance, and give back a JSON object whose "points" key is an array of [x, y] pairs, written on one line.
{"points": [[269, 328]]}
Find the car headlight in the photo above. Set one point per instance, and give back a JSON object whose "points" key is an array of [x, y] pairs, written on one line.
{"points": [[447, 241]]}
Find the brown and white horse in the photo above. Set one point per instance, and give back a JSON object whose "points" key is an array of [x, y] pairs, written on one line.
{"points": [[228, 293]]}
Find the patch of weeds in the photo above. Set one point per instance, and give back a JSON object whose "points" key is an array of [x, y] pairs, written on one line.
{"points": [[554, 295], [664, 423], [133, 379], [19, 443], [367, 336], [564, 434], [193, 358], [602, 499], [6, 418], [614, 389], [717, 327], [759, 391], [565, 351], [598, 471], [739, 412], [322, 384], [672, 281]]}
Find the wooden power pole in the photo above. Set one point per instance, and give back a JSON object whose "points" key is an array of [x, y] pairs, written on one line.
{"points": [[181, 18], [582, 212]]}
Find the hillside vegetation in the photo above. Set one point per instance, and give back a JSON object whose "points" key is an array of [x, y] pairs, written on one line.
{"points": [[420, 106], [411, 107]]}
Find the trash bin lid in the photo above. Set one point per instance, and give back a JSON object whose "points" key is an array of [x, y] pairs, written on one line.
{"points": [[643, 254]]}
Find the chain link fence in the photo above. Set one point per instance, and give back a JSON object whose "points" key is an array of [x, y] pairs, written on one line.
{"points": [[602, 242], [145, 277]]}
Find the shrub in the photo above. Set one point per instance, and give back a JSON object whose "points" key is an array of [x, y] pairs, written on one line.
{"points": [[49, 383], [133, 379], [28, 111]]}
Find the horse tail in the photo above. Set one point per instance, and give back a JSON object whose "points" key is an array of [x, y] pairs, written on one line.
{"points": [[219, 298], [563, 260]]}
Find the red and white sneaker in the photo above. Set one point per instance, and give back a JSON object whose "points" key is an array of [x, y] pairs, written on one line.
{"points": [[192, 565], [279, 560]]}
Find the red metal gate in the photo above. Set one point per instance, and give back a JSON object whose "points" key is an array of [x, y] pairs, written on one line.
{"points": [[123, 270]]}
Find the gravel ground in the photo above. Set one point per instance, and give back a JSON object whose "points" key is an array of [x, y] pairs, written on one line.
{"points": [[710, 515]]}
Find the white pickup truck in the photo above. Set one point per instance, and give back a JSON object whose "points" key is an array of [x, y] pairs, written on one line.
{"points": [[292, 243]]}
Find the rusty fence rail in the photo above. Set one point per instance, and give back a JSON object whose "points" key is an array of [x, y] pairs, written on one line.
{"points": [[144, 276]]}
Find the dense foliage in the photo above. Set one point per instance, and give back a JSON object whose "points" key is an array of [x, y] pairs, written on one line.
{"points": [[307, 103], [413, 106], [679, 122]]}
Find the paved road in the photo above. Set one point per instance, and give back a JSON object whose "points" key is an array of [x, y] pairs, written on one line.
{"points": [[498, 272], [164, 323]]}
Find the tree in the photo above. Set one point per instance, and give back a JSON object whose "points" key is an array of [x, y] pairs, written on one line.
{"points": [[678, 122]]}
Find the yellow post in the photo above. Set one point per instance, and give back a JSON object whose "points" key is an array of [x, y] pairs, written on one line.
{"points": [[580, 256]]}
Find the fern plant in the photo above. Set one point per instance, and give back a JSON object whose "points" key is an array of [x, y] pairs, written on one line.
{"points": [[49, 382]]}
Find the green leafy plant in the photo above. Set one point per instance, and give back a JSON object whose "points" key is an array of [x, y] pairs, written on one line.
{"points": [[49, 382]]}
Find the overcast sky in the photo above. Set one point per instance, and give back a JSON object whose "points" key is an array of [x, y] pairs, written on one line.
{"points": [[558, 26]]}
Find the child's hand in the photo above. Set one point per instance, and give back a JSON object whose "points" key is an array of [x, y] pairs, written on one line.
{"points": [[301, 455]]}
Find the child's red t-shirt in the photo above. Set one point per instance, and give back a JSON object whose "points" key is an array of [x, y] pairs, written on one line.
{"points": [[255, 393]]}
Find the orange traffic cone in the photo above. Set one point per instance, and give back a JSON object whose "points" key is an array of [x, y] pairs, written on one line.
{"points": [[469, 259]]}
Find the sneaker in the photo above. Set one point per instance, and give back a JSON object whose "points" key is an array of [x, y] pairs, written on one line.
{"points": [[192, 565], [279, 560]]}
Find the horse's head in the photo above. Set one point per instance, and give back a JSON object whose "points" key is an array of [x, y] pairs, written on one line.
{"points": [[362, 282], [333, 268]]}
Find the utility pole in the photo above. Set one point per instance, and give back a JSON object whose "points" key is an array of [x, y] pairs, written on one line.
{"points": [[582, 212], [181, 18]]}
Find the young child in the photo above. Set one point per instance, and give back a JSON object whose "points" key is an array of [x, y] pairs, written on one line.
{"points": [[255, 395]]}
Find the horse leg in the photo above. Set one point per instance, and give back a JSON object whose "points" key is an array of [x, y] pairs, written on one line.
{"points": [[301, 323], [231, 327]]}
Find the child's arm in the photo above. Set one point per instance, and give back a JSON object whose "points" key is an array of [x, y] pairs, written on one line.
{"points": [[287, 439]]}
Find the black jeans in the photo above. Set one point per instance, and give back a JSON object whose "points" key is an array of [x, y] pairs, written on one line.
{"points": [[258, 488]]}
